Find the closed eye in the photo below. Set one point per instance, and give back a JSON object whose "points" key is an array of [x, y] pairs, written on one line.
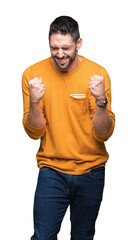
{"points": [[65, 48], [54, 48]]}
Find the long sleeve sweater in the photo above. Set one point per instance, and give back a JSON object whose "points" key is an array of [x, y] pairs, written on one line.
{"points": [[68, 141]]}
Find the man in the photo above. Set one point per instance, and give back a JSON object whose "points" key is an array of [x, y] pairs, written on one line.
{"points": [[67, 104]]}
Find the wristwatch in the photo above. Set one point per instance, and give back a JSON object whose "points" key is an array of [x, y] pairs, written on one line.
{"points": [[104, 103]]}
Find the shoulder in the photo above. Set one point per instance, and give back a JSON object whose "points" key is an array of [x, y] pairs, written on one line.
{"points": [[42, 64], [89, 63], [37, 67], [97, 68]]}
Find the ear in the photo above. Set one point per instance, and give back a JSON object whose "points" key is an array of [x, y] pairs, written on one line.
{"points": [[79, 44]]}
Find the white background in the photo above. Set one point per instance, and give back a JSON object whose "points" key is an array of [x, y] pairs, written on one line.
{"points": [[108, 29]]}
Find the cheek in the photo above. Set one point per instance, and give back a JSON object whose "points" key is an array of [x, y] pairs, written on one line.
{"points": [[52, 53], [72, 54]]}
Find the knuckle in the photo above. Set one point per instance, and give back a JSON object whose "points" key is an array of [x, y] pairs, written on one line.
{"points": [[29, 83]]}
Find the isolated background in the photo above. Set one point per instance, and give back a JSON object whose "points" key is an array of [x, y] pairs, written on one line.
{"points": [[108, 29]]}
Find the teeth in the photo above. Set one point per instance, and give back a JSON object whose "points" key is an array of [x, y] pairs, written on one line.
{"points": [[62, 61]]}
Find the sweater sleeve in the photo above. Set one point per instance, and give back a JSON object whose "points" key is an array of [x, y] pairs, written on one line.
{"points": [[33, 132], [92, 103]]}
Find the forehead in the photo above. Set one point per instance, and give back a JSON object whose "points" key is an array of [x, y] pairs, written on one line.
{"points": [[60, 39]]}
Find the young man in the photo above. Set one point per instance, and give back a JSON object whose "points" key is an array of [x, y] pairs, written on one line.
{"points": [[67, 103]]}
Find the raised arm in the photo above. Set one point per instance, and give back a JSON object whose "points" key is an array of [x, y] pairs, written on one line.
{"points": [[33, 119], [103, 118], [36, 90]]}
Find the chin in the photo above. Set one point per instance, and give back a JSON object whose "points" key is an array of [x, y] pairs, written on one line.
{"points": [[65, 67]]}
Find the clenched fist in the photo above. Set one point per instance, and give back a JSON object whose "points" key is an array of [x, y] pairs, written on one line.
{"points": [[97, 87], [36, 89]]}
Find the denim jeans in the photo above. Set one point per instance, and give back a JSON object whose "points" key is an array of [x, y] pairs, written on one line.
{"points": [[56, 191]]}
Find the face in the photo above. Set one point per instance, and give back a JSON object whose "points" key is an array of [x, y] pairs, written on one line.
{"points": [[63, 51]]}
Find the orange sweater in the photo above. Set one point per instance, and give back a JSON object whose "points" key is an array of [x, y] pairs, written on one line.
{"points": [[69, 142]]}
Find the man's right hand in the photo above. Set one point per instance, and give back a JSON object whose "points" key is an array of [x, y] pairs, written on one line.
{"points": [[36, 89]]}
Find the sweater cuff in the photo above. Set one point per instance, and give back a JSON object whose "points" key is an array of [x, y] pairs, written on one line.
{"points": [[104, 138], [33, 132]]}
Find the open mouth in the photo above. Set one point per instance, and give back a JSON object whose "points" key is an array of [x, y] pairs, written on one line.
{"points": [[62, 61]]}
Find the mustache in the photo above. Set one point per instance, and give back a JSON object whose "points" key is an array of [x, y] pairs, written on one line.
{"points": [[65, 57]]}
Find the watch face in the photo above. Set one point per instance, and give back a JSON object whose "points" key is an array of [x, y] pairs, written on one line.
{"points": [[104, 104]]}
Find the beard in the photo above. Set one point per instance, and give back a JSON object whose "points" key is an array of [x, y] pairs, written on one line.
{"points": [[64, 62]]}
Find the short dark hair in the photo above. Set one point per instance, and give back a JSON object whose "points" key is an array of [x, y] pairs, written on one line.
{"points": [[65, 25]]}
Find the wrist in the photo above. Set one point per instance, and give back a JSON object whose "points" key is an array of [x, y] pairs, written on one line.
{"points": [[34, 101], [34, 105], [102, 102]]}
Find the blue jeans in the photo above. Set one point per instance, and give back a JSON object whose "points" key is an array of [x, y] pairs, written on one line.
{"points": [[56, 191]]}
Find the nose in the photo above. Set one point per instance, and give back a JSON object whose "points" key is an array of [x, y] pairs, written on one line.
{"points": [[60, 53]]}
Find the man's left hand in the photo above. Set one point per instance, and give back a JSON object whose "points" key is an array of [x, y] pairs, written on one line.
{"points": [[97, 87]]}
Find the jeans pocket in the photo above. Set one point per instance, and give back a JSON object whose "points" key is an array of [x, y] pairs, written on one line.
{"points": [[43, 172], [97, 173], [44, 169]]}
